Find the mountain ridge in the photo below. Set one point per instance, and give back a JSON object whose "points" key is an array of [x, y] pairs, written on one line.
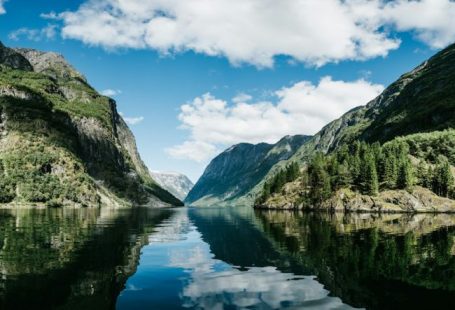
{"points": [[222, 174], [176, 183]]}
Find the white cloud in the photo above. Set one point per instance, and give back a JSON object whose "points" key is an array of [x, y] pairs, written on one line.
{"points": [[197, 151], [132, 120], [47, 33], [242, 97], [111, 92], [51, 15], [433, 21], [303, 108], [255, 31]]}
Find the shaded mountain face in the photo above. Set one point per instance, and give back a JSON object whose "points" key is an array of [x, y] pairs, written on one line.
{"points": [[176, 183], [422, 100], [61, 142], [234, 173]]}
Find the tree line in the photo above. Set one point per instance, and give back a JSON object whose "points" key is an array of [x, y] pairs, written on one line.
{"points": [[365, 168]]}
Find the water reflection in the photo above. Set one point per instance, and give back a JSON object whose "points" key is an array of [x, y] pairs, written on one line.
{"points": [[224, 258], [372, 261], [68, 258], [205, 282]]}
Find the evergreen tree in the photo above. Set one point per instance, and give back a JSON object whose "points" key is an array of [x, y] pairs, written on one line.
{"points": [[389, 170], [405, 174], [292, 172], [370, 176], [343, 177], [355, 167], [319, 180], [422, 175], [443, 179]]}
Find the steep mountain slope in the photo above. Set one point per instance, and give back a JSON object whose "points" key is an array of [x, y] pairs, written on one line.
{"points": [[233, 173], [419, 101], [422, 100], [176, 183], [62, 143]]}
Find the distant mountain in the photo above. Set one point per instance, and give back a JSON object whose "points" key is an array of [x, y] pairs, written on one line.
{"points": [[234, 173], [422, 100], [176, 183], [62, 143]]}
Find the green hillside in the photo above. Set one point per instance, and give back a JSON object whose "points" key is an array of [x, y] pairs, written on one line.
{"points": [[62, 143]]}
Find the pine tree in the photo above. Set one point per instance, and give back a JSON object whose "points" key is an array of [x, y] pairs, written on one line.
{"points": [[422, 174], [355, 167], [319, 180], [344, 178], [443, 179], [343, 153], [405, 174], [292, 172], [389, 170], [369, 175]]}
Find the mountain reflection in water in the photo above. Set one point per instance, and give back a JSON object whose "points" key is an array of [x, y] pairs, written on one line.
{"points": [[224, 258]]}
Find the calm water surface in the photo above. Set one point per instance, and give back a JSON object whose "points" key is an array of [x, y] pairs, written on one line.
{"points": [[224, 258]]}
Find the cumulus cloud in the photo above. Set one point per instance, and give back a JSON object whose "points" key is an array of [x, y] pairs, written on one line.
{"points": [[194, 150], [303, 108], [47, 33], [111, 92], [256, 31], [132, 120], [433, 21]]}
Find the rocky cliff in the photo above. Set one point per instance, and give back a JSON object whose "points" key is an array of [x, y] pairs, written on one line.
{"points": [[176, 183], [234, 173], [61, 142]]}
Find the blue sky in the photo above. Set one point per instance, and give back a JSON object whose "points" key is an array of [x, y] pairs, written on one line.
{"points": [[157, 74]]}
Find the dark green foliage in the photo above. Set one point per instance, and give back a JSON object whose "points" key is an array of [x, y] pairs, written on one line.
{"points": [[405, 174], [319, 180], [369, 168], [442, 178], [275, 185], [370, 175]]}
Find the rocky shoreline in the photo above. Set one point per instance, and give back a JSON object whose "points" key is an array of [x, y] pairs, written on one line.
{"points": [[418, 200]]}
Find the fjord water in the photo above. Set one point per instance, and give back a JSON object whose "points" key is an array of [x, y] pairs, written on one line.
{"points": [[224, 258]]}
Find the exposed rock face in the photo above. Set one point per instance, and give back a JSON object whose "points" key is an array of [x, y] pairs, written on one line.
{"points": [[176, 183], [233, 173], [50, 63], [49, 112], [11, 58]]}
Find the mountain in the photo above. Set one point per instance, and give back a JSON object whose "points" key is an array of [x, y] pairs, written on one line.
{"points": [[176, 183], [233, 174], [422, 100], [61, 142]]}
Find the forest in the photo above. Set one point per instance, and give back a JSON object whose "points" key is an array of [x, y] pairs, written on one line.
{"points": [[421, 159]]}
